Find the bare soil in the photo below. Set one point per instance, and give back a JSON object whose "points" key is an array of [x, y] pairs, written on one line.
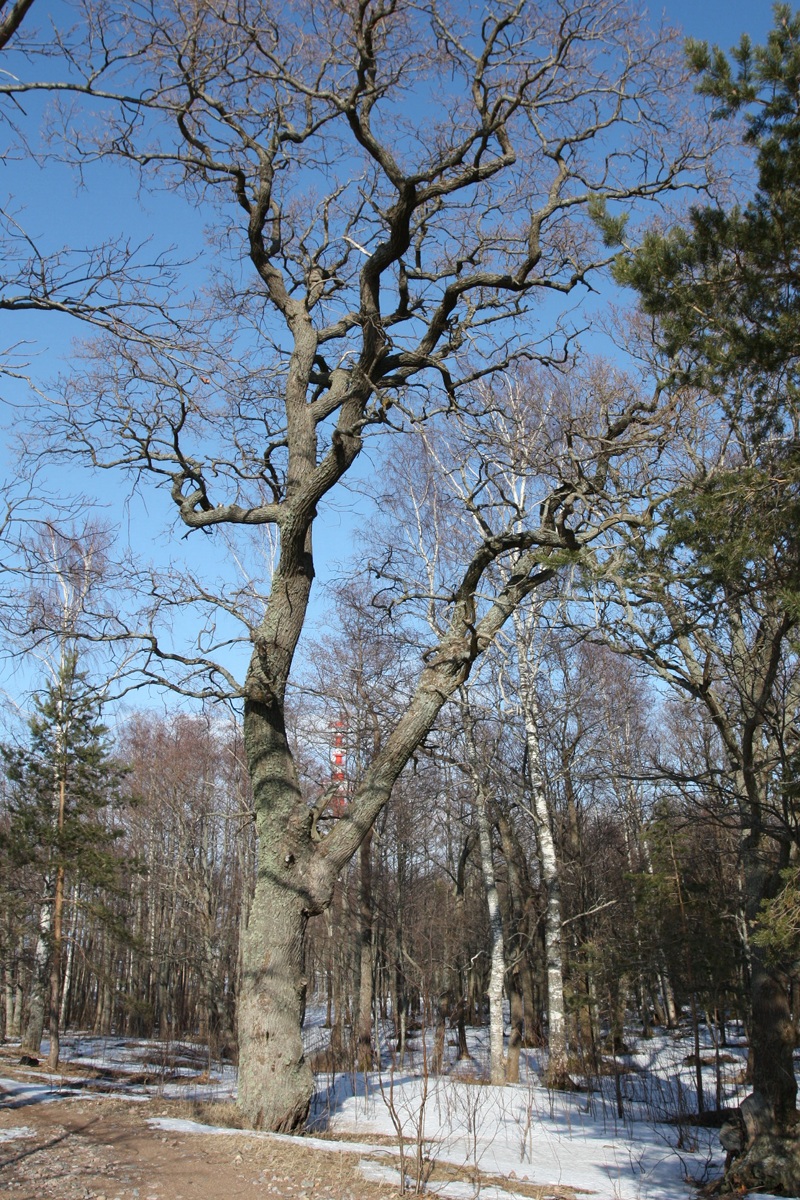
{"points": [[103, 1149]]}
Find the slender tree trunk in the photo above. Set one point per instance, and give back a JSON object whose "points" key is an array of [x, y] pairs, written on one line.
{"points": [[55, 957], [62, 1016], [515, 943], [497, 964], [517, 1012], [55, 973], [366, 929], [40, 981], [665, 983], [8, 1002], [400, 1012], [105, 993], [668, 993], [795, 1003], [557, 1073], [496, 945], [460, 1020]]}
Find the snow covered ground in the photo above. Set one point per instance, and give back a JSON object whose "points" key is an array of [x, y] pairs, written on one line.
{"points": [[623, 1136], [527, 1132]]}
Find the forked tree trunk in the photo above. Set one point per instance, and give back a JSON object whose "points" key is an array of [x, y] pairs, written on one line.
{"points": [[296, 868]]}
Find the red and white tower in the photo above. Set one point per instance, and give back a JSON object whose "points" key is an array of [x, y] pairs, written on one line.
{"points": [[338, 768]]}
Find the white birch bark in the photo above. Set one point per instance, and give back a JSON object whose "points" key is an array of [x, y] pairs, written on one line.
{"points": [[40, 981], [70, 958], [497, 960], [496, 948], [548, 861]]}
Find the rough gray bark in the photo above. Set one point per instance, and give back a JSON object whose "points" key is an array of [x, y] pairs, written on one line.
{"points": [[275, 1081]]}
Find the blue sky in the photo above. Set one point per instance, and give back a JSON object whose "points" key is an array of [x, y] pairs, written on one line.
{"points": [[57, 211], [719, 21]]}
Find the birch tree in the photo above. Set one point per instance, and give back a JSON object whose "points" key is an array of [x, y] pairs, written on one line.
{"points": [[539, 809]]}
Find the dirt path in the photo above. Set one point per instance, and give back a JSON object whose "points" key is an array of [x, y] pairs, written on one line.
{"points": [[103, 1149]]}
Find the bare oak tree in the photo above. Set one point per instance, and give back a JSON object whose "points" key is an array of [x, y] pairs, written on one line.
{"points": [[409, 184]]}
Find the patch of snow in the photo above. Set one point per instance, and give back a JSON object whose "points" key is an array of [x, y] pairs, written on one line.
{"points": [[19, 1131], [378, 1173], [16, 1093], [527, 1132], [176, 1125]]}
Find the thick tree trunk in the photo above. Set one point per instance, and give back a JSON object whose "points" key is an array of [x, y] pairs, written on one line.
{"points": [[275, 1081], [772, 1034]]}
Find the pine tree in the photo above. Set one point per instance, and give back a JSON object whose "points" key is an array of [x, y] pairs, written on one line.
{"points": [[724, 292], [725, 287], [62, 785]]}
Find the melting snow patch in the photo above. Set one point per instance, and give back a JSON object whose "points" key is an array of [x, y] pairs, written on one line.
{"points": [[19, 1131], [176, 1125]]}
